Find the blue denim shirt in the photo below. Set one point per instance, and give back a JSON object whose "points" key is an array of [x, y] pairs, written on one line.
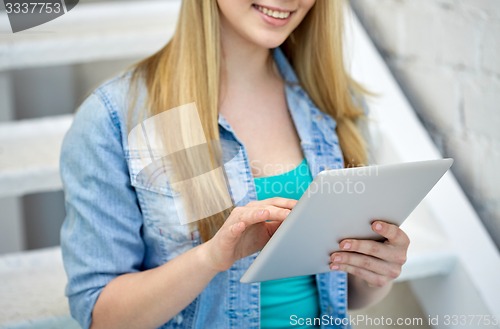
{"points": [[113, 227]]}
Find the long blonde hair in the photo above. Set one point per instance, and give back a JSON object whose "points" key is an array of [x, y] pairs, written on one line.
{"points": [[188, 69]]}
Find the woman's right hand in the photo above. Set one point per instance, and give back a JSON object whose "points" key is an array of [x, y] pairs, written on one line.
{"points": [[246, 231]]}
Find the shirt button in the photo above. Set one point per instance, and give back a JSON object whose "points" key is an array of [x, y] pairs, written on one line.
{"points": [[178, 319]]}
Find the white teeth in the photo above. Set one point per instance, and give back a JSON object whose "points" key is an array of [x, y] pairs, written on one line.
{"points": [[274, 13]]}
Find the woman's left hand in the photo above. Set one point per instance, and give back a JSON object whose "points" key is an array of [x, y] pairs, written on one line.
{"points": [[377, 263]]}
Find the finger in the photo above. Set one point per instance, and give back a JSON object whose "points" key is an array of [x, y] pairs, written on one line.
{"points": [[376, 249], [252, 216], [276, 201], [277, 213], [237, 229], [274, 213], [272, 227], [373, 279], [392, 233], [369, 263]]}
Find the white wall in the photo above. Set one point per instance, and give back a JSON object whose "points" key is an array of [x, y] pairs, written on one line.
{"points": [[446, 56]]}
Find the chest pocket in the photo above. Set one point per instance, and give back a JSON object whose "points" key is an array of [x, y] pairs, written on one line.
{"points": [[163, 233]]}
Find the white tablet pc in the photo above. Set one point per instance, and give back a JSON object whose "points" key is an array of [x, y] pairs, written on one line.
{"points": [[341, 204]]}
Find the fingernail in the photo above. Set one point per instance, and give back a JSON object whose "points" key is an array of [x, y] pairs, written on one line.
{"points": [[334, 267], [378, 227], [346, 246], [337, 259], [261, 212]]}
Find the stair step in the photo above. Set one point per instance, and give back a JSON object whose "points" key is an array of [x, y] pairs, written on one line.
{"points": [[32, 289], [29, 155], [90, 32]]}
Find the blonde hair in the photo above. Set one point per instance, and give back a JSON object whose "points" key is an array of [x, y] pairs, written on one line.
{"points": [[187, 70]]}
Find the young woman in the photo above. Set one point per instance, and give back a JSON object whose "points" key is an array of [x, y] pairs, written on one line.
{"points": [[267, 76]]}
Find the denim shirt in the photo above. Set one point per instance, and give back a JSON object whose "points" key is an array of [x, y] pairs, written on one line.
{"points": [[113, 227]]}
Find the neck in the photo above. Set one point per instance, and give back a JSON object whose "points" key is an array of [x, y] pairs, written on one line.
{"points": [[243, 63]]}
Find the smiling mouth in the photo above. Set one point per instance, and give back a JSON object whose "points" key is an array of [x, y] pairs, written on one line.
{"points": [[273, 13]]}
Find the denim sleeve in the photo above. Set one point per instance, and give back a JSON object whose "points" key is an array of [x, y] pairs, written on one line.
{"points": [[101, 234]]}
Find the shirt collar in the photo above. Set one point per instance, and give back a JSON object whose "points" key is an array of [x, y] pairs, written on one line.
{"points": [[284, 66]]}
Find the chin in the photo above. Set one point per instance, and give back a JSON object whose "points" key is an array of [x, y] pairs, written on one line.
{"points": [[270, 41]]}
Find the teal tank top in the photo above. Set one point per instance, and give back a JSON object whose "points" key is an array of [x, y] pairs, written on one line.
{"points": [[280, 299]]}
